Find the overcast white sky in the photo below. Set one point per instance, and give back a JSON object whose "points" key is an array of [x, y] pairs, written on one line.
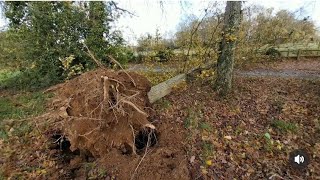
{"points": [[152, 14]]}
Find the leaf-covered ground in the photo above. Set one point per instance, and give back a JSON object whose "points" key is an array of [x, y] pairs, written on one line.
{"points": [[250, 134], [247, 135]]}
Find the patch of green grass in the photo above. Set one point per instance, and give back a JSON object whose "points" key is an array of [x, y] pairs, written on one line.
{"points": [[205, 126], [157, 77], [22, 105], [207, 150], [191, 121], [22, 130], [6, 74], [268, 146], [2, 175], [27, 79], [164, 103], [3, 134], [284, 126]]}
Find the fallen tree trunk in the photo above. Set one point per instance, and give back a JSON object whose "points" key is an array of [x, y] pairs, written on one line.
{"points": [[160, 90]]}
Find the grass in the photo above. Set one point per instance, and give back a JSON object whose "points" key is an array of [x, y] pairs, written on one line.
{"points": [[7, 74], [156, 77], [26, 80], [164, 103], [205, 126], [207, 150], [192, 120], [23, 105], [284, 126], [18, 107]]}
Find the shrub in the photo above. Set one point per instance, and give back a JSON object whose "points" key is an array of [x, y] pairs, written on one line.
{"points": [[164, 55], [273, 53]]}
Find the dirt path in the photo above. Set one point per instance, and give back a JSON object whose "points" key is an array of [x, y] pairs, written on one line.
{"points": [[308, 69], [155, 69], [294, 70], [293, 74]]}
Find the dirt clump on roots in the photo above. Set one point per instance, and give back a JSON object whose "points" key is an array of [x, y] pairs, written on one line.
{"points": [[103, 109], [107, 120]]}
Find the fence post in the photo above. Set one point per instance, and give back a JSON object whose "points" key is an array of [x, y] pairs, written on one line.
{"points": [[299, 52]]}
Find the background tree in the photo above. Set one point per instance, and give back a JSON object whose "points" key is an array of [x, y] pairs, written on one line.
{"points": [[225, 63]]}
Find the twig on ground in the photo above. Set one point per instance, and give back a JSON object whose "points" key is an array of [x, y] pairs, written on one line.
{"points": [[275, 175]]}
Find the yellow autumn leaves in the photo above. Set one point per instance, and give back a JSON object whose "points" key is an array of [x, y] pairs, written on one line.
{"points": [[206, 73], [69, 69], [231, 37]]}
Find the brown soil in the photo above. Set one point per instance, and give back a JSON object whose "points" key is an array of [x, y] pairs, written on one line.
{"points": [[101, 109], [105, 115]]}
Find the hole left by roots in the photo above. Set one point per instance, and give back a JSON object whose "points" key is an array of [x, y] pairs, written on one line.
{"points": [[60, 142], [146, 137]]}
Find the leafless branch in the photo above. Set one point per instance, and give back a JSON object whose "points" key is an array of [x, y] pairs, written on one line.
{"points": [[191, 39], [121, 9]]}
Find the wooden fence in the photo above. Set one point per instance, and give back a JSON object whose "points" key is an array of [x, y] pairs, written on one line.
{"points": [[297, 53]]}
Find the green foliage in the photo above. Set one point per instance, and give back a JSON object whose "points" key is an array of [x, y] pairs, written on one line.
{"points": [[69, 69], [139, 58], [164, 55], [40, 34], [284, 126], [273, 53], [123, 54]]}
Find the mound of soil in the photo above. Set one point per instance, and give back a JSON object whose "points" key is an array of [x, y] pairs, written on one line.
{"points": [[106, 115], [104, 109]]}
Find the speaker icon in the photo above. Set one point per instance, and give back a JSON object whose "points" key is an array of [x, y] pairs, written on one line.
{"points": [[299, 159]]}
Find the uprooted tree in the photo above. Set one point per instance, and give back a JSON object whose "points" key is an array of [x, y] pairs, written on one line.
{"points": [[109, 112], [227, 47]]}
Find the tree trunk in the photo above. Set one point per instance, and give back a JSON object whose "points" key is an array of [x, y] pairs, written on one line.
{"points": [[225, 63]]}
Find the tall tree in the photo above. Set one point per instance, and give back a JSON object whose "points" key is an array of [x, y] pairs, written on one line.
{"points": [[225, 63]]}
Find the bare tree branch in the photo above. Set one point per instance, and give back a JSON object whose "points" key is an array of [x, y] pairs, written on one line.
{"points": [[121, 9]]}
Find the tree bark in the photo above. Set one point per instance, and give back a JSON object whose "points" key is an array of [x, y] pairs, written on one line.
{"points": [[225, 62]]}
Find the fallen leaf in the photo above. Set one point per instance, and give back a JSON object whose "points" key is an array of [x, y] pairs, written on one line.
{"points": [[204, 171], [192, 159], [267, 135], [228, 137], [209, 162]]}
